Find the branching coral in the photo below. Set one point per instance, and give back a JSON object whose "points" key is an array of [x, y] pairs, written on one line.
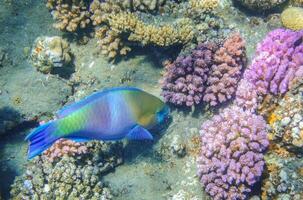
{"points": [[184, 80], [231, 159], [246, 96], [64, 147], [226, 71], [215, 82], [203, 5], [71, 15], [128, 25], [278, 61]]}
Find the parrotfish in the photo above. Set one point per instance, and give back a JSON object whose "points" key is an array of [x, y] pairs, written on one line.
{"points": [[112, 114]]}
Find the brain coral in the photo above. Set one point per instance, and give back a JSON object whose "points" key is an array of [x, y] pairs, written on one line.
{"points": [[278, 61], [258, 5], [292, 18], [231, 159]]}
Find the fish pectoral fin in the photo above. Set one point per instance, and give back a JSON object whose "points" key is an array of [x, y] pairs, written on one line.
{"points": [[139, 133], [77, 139]]}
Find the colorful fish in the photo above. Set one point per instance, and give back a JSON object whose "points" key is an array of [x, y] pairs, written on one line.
{"points": [[111, 114]]}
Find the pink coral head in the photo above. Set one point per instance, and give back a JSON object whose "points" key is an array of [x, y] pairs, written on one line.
{"points": [[231, 159]]}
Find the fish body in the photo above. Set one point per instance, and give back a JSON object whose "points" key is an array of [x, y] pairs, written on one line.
{"points": [[112, 114]]}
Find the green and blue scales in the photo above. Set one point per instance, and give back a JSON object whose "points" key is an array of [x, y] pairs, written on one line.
{"points": [[113, 114]]}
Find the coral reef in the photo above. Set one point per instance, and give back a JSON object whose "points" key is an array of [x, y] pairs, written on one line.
{"points": [[246, 96], [64, 147], [125, 24], [184, 80], [283, 178], [286, 121], [231, 158], [50, 52], [226, 71], [210, 73], [292, 18], [277, 63], [206, 5], [71, 177], [260, 5], [71, 15]]}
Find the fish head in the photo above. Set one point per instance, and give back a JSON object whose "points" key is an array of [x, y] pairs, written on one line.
{"points": [[162, 114]]}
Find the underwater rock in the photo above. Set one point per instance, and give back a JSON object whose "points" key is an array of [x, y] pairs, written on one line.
{"points": [[292, 18], [286, 121], [71, 15], [50, 52], [283, 177], [231, 155], [210, 73], [71, 177], [260, 5]]}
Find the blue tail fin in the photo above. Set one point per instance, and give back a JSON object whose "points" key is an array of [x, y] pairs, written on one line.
{"points": [[41, 138]]}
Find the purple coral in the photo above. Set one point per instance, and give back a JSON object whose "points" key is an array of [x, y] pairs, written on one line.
{"points": [[209, 74], [231, 158], [246, 96], [226, 70], [278, 61], [184, 80]]}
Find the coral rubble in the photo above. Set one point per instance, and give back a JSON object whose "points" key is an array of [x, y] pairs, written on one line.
{"points": [[209, 74], [292, 18], [50, 52], [231, 159], [71, 177]]}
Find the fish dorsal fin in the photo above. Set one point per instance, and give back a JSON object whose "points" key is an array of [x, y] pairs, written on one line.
{"points": [[139, 133], [66, 110]]}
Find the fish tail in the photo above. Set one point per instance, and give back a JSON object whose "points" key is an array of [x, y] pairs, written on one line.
{"points": [[41, 138]]}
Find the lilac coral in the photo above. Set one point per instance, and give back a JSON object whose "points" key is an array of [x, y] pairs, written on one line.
{"points": [[246, 96], [184, 80], [231, 158], [278, 61], [209, 74]]}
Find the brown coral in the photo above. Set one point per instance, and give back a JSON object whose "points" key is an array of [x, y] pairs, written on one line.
{"points": [[128, 25], [206, 5], [70, 15]]}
